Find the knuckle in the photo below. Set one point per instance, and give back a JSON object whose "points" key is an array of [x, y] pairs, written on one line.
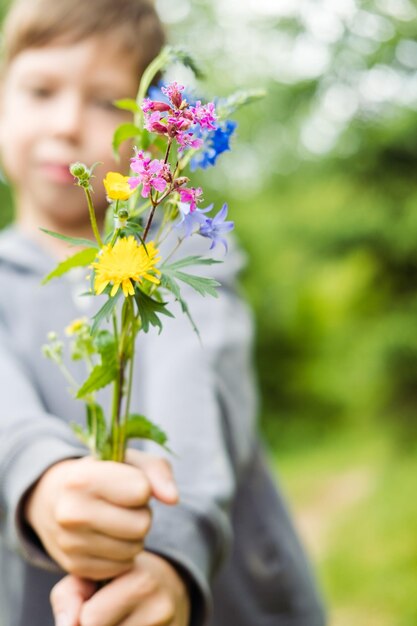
{"points": [[65, 542], [133, 549], [142, 488], [77, 479], [166, 609], [144, 521], [146, 585], [69, 515], [90, 617]]}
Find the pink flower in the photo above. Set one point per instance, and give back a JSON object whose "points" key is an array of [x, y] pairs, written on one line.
{"points": [[173, 92], [151, 173], [149, 105], [154, 124], [188, 140], [204, 115], [191, 196]]}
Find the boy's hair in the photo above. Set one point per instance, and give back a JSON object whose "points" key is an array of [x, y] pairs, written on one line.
{"points": [[37, 23]]}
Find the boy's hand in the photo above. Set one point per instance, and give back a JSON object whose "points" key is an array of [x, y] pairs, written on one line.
{"points": [[152, 594], [92, 516]]}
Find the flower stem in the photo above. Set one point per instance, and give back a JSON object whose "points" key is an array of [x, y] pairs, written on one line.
{"points": [[93, 217]]}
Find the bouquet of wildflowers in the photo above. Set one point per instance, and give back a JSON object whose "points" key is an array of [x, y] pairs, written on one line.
{"points": [[171, 131]]}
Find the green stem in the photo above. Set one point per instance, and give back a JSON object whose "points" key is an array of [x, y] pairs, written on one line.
{"points": [[130, 379], [179, 242], [93, 217]]}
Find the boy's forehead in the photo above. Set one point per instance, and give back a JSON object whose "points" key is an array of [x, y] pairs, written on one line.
{"points": [[93, 60]]}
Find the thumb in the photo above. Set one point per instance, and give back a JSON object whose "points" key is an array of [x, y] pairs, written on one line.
{"points": [[159, 473], [67, 599]]}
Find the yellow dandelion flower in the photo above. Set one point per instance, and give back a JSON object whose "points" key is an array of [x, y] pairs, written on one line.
{"points": [[123, 263], [117, 186], [75, 326]]}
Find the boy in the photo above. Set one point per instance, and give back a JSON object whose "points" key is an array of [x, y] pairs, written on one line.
{"points": [[66, 61]]}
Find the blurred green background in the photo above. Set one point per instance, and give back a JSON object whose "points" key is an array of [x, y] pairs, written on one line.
{"points": [[322, 186]]}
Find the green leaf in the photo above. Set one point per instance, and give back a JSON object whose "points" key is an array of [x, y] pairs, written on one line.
{"points": [[100, 377], [81, 434], [149, 309], [170, 284], [105, 312], [105, 373], [79, 259], [191, 260], [237, 100], [97, 427], [182, 55], [74, 241], [106, 345], [127, 104], [123, 132], [201, 284], [139, 427]]}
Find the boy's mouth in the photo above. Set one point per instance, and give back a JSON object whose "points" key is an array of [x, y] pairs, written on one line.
{"points": [[56, 173]]}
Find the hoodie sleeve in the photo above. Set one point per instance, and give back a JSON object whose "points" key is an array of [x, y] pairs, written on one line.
{"points": [[30, 442]]}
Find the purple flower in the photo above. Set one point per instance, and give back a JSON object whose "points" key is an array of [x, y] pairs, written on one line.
{"points": [[151, 173], [173, 92], [191, 220], [215, 227], [204, 115], [191, 196]]}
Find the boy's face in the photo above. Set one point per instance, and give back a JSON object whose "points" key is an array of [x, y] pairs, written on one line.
{"points": [[57, 108]]}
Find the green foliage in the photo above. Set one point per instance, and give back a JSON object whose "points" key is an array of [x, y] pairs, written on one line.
{"points": [[124, 132], [150, 310], [204, 286], [138, 427], [172, 286], [79, 259], [73, 241], [105, 373], [105, 312], [358, 494], [127, 104]]}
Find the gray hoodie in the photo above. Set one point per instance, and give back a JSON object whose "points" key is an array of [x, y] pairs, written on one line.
{"points": [[231, 532]]}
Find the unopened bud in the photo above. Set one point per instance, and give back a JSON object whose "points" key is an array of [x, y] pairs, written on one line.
{"points": [[79, 170], [123, 214], [179, 182]]}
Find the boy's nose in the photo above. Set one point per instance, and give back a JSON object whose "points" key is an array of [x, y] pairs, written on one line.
{"points": [[67, 117]]}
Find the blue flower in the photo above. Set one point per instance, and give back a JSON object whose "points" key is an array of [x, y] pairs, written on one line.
{"points": [[215, 227], [215, 143]]}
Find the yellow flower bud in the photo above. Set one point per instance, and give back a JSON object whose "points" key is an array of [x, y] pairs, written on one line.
{"points": [[117, 186]]}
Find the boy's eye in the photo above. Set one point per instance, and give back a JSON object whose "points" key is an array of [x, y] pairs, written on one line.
{"points": [[39, 91], [105, 103]]}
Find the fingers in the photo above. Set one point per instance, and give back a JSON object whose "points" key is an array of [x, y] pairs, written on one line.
{"points": [[159, 473], [118, 599], [118, 483], [99, 545], [106, 519], [67, 598]]}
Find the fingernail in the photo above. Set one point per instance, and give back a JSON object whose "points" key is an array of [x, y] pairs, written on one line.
{"points": [[63, 619]]}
